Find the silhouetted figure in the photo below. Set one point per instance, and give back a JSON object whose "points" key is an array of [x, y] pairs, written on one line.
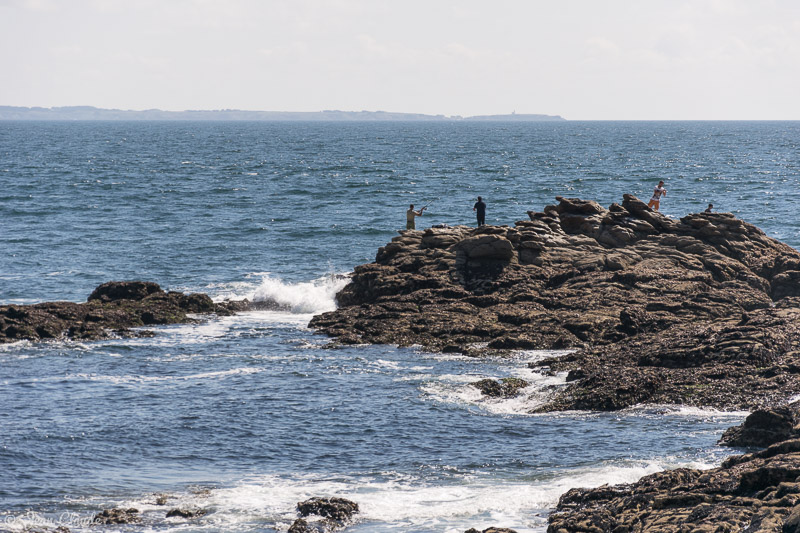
{"points": [[480, 208], [709, 208]]}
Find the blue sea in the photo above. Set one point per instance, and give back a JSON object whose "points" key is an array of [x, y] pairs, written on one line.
{"points": [[245, 416]]}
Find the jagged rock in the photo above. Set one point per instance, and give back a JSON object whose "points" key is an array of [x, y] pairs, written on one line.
{"points": [[118, 516], [704, 310]]}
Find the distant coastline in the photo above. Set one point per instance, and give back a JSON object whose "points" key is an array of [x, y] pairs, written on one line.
{"points": [[95, 113]]}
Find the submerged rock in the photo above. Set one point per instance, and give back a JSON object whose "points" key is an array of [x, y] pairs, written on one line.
{"points": [[702, 311], [185, 512]]}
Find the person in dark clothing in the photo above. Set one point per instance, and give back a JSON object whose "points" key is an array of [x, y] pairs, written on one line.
{"points": [[480, 208]]}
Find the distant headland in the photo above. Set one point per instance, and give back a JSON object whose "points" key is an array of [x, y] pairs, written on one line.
{"points": [[95, 113]]}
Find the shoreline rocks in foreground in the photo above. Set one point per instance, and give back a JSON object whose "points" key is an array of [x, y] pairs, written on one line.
{"points": [[700, 311], [755, 492], [111, 310]]}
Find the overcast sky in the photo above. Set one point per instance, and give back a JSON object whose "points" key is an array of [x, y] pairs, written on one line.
{"points": [[581, 59]]}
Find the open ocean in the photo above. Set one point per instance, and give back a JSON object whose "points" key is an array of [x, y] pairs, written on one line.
{"points": [[245, 416]]}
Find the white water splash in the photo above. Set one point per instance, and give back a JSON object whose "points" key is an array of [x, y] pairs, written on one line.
{"points": [[306, 297], [398, 502]]}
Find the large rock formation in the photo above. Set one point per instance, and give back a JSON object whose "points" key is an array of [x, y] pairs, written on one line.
{"points": [[112, 309], [703, 310]]}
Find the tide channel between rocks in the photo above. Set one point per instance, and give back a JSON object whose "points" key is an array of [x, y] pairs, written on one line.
{"points": [[698, 311]]}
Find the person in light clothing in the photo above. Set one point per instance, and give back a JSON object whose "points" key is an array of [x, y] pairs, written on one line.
{"points": [[658, 192], [411, 215]]}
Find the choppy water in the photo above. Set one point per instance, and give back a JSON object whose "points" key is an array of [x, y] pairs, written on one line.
{"points": [[247, 415]]}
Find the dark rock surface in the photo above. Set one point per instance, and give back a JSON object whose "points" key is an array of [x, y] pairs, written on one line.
{"points": [[336, 513], [765, 427], [336, 508], [118, 516], [702, 311], [505, 388], [112, 309], [748, 493], [185, 512], [758, 491]]}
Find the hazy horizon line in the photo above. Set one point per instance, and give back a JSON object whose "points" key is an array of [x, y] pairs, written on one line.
{"points": [[390, 115]]}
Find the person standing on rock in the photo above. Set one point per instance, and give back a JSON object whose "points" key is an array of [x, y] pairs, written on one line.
{"points": [[480, 209], [709, 208], [658, 192], [411, 216]]}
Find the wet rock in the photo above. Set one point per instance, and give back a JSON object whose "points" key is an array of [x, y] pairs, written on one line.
{"points": [[336, 508], [753, 492], [185, 512], [318, 526], [505, 388], [111, 310], [330, 515], [124, 290], [118, 516], [698, 311]]}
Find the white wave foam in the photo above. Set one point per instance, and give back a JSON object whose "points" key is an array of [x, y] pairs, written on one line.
{"points": [[688, 411], [309, 297], [457, 389], [395, 502], [122, 380], [315, 296]]}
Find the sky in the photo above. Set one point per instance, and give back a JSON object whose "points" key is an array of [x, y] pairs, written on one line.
{"points": [[581, 59]]}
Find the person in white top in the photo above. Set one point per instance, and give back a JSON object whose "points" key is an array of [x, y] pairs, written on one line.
{"points": [[658, 192]]}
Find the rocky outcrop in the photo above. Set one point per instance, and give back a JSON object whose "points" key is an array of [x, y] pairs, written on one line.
{"points": [[118, 516], [765, 427], [111, 310], [331, 514], [754, 492], [704, 310], [504, 388]]}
